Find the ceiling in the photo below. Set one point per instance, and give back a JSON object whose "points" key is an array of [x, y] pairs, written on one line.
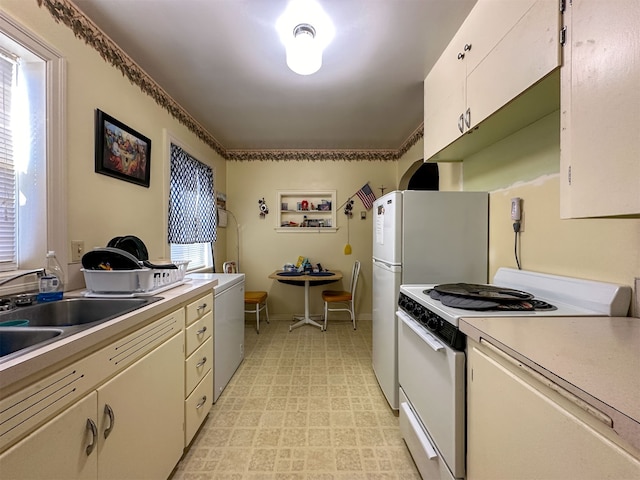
{"points": [[223, 62]]}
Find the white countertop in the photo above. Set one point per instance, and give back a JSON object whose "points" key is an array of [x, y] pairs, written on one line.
{"points": [[224, 280], [595, 358], [14, 372]]}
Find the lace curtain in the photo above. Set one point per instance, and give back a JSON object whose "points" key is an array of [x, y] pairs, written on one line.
{"points": [[192, 209]]}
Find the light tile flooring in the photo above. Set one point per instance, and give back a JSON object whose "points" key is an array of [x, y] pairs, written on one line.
{"points": [[303, 405]]}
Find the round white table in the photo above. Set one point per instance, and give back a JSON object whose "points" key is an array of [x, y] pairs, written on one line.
{"points": [[306, 279]]}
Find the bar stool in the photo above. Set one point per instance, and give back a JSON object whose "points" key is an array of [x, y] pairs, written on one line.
{"points": [[256, 299]]}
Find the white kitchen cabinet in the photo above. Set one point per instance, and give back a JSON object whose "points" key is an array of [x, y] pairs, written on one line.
{"points": [[63, 448], [46, 427], [197, 396], [140, 414], [600, 110], [503, 48], [522, 426], [130, 427], [306, 211]]}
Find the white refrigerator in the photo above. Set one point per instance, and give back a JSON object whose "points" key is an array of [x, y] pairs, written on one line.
{"points": [[421, 237]]}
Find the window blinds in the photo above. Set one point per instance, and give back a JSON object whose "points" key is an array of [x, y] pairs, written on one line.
{"points": [[8, 233]]}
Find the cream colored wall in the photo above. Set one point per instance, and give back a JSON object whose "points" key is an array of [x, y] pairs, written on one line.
{"points": [[101, 207], [263, 250], [526, 165]]}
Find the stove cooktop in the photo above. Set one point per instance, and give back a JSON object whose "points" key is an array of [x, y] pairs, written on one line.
{"points": [[570, 297]]}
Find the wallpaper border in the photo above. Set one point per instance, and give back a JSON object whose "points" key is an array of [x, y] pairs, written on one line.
{"points": [[66, 12]]}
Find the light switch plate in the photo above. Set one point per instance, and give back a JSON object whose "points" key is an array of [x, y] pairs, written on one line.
{"points": [[77, 250]]}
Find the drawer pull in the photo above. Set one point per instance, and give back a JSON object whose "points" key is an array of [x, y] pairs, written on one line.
{"points": [[112, 419], [201, 402], [201, 331], [202, 307], [91, 426], [201, 362]]}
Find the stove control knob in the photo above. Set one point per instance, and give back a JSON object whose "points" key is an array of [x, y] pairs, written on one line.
{"points": [[432, 322]]}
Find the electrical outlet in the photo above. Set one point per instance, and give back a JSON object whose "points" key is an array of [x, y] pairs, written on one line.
{"points": [[77, 250], [515, 209], [242, 350]]}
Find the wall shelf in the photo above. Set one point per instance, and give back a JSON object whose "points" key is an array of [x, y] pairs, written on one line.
{"points": [[306, 211]]}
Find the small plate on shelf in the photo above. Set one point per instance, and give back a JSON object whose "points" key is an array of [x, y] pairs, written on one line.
{"points": [[289, 274], [321, 274]]}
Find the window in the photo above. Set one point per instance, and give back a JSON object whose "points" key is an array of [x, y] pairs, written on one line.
{"points": [[192, 213], [8, 224], [33, 209]]}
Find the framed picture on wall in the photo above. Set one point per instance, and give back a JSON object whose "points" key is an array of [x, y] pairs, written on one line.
{"points": [[121, 152]]}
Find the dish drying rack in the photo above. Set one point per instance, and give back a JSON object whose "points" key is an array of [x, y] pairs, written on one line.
{"points": [[133, 283]]}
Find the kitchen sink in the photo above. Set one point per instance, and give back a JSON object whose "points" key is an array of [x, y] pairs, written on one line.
{"points": [[75, 311], [13, 339], [48, 322]]}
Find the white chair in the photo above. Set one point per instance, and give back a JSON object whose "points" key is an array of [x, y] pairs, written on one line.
{"points": [[345, 300], [257, 299]]}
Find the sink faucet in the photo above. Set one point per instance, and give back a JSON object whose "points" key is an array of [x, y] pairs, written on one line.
{"points": [[40, 272]]}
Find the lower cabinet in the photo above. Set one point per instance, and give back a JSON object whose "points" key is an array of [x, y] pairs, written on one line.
{"points": [[129, 427], [63, 448], [140, 414], [521, 426], [198, 364]]}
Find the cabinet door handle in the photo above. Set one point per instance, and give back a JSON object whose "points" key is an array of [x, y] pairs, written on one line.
{"points": [[467, 47], [91, 426], [467, 117], [201, 402], [201, 307], [460, 56], [461, 123], [112, 419], [201, 362], [201, 331]]}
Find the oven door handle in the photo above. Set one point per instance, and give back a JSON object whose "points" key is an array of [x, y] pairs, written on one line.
{"points": [[425, 336]]}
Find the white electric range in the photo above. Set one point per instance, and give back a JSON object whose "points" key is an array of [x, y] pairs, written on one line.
{"points": [[431, 357]]}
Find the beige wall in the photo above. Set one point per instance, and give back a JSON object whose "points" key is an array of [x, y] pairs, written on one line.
{"points": [[263, 250], [101, 207], [526, 165]]}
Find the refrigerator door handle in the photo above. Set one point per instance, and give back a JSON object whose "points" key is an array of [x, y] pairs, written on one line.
{"points": [[387, 266]]}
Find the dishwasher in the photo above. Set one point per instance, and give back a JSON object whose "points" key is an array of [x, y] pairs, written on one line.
{"points": [[228, 326]]}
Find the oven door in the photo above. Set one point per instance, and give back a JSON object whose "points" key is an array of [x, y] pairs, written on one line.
{"points": [[432, 376]]}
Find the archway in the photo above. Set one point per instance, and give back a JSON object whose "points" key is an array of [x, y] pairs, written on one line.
{"points": [[421, 176]]}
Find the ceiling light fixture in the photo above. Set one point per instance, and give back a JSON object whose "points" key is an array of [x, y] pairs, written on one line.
{"points": [[305, 30], [304, 55]]}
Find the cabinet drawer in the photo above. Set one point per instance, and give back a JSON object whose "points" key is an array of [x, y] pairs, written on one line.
{"points": [[197, 406], [198, 308], [198, 364], [198, 332]]}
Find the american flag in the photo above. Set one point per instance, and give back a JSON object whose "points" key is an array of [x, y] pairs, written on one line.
{"points": [[366, 196]]}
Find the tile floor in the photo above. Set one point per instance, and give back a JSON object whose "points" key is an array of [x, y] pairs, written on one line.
{"points": [[302, 405]]}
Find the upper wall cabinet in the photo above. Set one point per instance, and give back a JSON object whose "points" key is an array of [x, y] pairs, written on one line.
{"points": [[600, 110], [503, 48]]}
